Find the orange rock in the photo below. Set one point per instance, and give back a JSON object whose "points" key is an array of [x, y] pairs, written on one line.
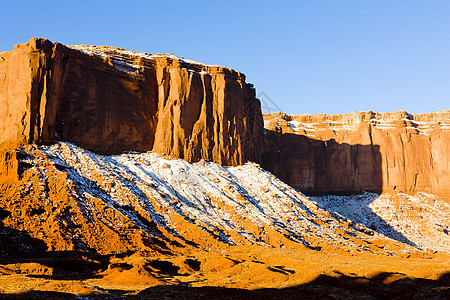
{"points": [[349, 153], [110, 100]]}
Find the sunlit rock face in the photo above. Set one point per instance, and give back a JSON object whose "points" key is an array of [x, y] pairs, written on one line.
{"points": [[364, 151], [74, 199], [111, 100]]}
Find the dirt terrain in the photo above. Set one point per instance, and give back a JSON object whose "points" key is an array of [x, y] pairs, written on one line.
{"points": [[147, 225], [126, 174], [231, 273]]}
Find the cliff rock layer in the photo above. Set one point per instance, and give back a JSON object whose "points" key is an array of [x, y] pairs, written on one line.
{"points": [[364, 151], [109, 100]]}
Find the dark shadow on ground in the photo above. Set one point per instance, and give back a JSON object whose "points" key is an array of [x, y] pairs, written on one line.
{"points": [[18, 247], [17, 244], [323, 287]]}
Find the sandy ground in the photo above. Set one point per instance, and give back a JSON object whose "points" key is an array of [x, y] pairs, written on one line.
{"points": [[236, 272], [82, 226]]}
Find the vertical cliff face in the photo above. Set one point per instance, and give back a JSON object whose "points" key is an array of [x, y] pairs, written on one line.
{"points": [[350, 153], [111, 100]]}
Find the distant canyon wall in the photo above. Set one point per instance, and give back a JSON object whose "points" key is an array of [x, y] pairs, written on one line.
{"points": [[110, 100], [364, 151]]}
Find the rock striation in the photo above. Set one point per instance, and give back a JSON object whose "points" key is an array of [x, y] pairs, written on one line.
{"points": [[110, 100], [76, 200], [363, 151]]}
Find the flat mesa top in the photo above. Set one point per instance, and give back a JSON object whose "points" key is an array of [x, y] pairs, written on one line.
{"points": [[419, 123], [109, 50], [130, 60]]}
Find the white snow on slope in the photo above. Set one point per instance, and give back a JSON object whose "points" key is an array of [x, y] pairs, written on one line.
{"points": [[422, 219], [236, 205], [239, 205]]}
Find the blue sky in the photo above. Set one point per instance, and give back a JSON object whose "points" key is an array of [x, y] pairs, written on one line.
{"points": [[317, 56]]}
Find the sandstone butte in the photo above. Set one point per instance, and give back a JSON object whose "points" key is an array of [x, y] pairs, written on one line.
{"points": [[73, 222], [109, 100], [362, 151]]}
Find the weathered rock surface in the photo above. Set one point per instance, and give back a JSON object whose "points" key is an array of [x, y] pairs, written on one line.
{"points": [[94, 225], [110, 100], [349, 153], [76, 200]]}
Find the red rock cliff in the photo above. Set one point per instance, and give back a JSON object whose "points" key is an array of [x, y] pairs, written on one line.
{"points": [[326, 154], [111, 100]]}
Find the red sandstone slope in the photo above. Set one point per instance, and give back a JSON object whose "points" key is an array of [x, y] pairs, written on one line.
{"points": [[93, 224], [100, 226], [71, 199], [110, 100], [366, 151]]}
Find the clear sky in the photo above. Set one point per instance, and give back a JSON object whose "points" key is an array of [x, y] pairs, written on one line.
{"points": [[316, 56]]}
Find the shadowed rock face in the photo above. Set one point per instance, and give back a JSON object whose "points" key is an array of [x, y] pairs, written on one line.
{"points": [[349, 153], [109, 100]]}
